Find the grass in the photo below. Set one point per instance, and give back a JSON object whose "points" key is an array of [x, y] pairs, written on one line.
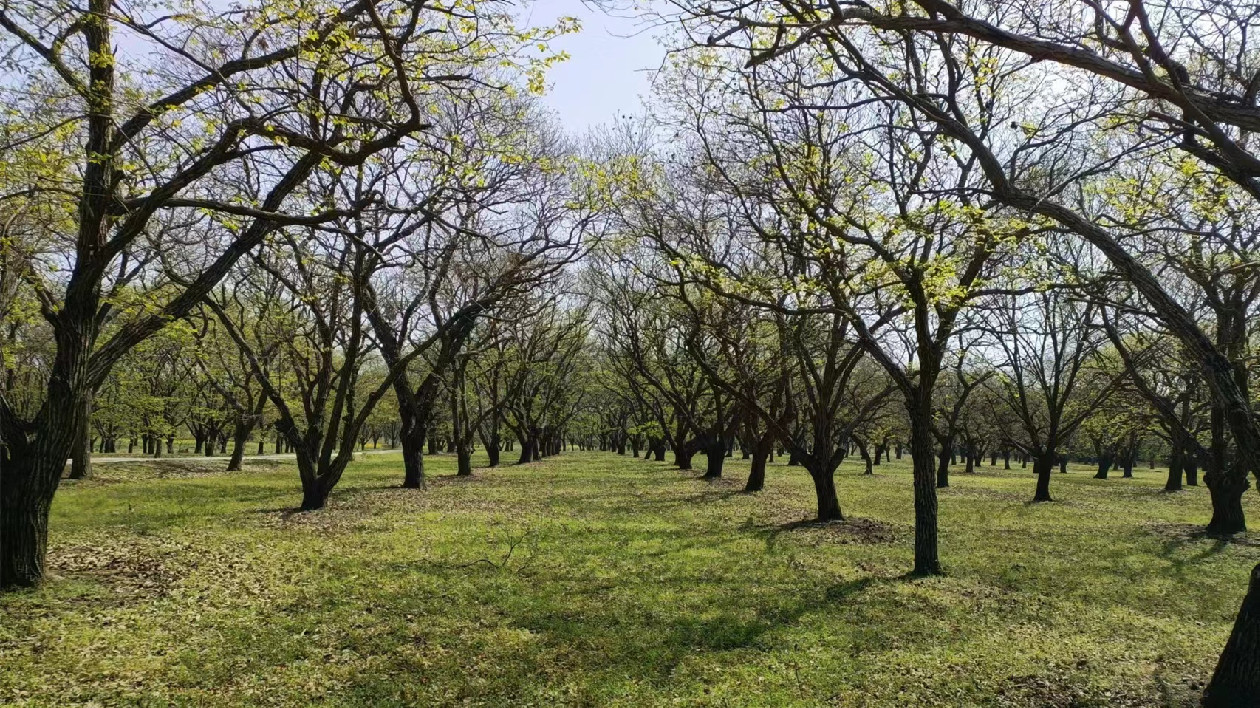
{"points": [[594, 580]]}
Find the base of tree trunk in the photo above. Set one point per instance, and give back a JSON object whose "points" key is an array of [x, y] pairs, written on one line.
{"points": [[757, 473], [1227, 511], [1236, 681], [23, 541]]}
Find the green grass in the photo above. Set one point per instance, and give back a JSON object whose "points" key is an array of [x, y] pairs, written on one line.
{"points": [[595, 580]]}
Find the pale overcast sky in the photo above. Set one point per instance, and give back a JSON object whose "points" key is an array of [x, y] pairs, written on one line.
{"points": [[609, 67]]}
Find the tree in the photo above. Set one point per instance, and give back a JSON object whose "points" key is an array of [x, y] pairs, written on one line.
{"points": [[161, 131]]}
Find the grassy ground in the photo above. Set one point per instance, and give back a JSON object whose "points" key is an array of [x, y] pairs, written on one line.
{"points": [[596, 580]]}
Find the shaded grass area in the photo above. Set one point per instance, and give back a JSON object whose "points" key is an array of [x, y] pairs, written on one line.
{"points": [[592, 580]]}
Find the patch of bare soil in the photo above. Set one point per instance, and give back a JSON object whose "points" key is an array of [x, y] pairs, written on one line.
{"points": [[1194, 533], [850, 531]]}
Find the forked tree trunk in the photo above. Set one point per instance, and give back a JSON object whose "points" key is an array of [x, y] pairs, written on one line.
{"points": [[1236, 681]]}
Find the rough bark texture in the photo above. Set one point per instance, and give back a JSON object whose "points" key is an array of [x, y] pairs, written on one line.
{"points": [[1236, 681], [825, 493], [926, 555], [1227, 510], [23, 539]]}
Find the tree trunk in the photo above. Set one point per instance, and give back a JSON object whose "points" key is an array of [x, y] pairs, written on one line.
{"points": [[23, 532], [1236, 681], [240, 436], [1227, 512], [682, 457], [314, 495], [757, 471], [866, 458], [1104, 466], [825, 492], [492, 451], [942, 467], [81, 450], [1192, 470], [715, 455], [411, 436], [1043, 467], [464, 460], [926, 547], [1174, 473]]}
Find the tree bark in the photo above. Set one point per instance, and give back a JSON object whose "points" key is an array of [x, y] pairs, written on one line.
{"points": [[1236, 681], [942, 468], [23, 532], [1227, 511], [757, 471], [240, 436], [682, 457], [926, 549], [1174, 472], [825, 493], [716, 455], [81, 452], [1043, 467]]}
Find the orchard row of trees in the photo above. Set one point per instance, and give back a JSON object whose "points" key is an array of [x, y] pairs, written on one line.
{"points": [[974, 225], [846, 228], [301, 215]]}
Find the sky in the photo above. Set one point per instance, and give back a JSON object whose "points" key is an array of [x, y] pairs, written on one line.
{"points": [[608, 72]]}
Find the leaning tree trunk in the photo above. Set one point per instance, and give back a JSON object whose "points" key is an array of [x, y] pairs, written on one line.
{"points": [[757, 472], [492, 451], [1236, 681], [1043, 467], [1174, 472], [240, 436]]}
